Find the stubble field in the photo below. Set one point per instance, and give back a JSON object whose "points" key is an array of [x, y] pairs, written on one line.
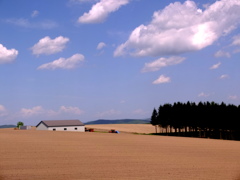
{"points": [[72, 155], [132, 128]]}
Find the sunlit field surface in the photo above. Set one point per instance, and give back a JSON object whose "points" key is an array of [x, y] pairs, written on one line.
{"points": [[32, 154]]}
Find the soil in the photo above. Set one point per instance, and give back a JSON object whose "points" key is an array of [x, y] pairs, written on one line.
{"points": [[32, 154]]}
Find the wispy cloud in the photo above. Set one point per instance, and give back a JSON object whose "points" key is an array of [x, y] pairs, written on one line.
{"points": [[25, 23], [236, 43], [3, 111], [216, 66], [233, 97], [162, 79], [224, 76], [221, 53], [35, 13], [202, 94], [236, 40], [100, 11], [101, 45], [162, 62], [63, 63]]}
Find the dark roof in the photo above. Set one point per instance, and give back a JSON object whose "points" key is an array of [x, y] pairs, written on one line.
{"points": [[59, 123]]}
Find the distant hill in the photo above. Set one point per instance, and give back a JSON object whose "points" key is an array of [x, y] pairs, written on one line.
{"points": [[119, 121], [7, 126]]}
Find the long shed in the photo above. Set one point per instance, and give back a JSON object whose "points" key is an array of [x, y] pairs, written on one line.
{"points": [[61, 125]]}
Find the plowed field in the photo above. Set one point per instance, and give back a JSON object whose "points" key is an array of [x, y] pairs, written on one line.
{"points": [[31, 154]]}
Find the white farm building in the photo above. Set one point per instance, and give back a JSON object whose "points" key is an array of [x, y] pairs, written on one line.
{"points": [[61, 125]]}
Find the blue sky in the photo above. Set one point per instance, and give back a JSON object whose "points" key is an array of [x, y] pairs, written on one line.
{"points": [[95, 59]]}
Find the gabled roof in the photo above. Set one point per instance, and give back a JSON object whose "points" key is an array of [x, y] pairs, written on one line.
{"points": [[60, 123]]}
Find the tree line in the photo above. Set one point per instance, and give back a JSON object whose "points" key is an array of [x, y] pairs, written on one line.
{"points": [[205, 119]]}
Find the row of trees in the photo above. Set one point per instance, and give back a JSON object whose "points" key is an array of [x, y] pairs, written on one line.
{"points": [[205, 119]]}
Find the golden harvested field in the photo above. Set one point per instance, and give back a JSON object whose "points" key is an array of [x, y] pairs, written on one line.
{"points": [[134, 128], [31, 154]]}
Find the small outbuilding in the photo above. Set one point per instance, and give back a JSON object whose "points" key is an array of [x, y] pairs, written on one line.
{"points": [[61, 125], [25, 127]]}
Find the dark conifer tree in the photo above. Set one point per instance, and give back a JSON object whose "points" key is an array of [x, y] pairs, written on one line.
{"points": [[154, 120]]}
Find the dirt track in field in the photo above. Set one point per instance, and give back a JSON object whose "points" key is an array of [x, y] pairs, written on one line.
{"points": [[72, 155]]}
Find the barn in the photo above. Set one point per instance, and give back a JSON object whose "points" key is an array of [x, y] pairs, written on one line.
{"points": [[61, 125]]}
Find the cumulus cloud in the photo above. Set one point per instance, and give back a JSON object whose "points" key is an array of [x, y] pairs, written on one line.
{"points": [[100, 11], [222, 54], [180, 28], [7, 55], [162, 79], [40, 111], [215, 66], [63, 63], [49, 46], [101, 45], [162, 62], [25, 23], [37, 110]]}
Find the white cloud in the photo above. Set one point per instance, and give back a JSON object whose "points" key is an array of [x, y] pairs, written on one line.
{"points": [[100, 11], [46, 24], [222, 54], [35, 13], [224, 76], [101, 45], [3, 111], [70, 110], [215, 66], [162, 79], [180, 28], [162, 62], [7, 55], [37, 110], [40, 111], [49, 46], [64, 63]]}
